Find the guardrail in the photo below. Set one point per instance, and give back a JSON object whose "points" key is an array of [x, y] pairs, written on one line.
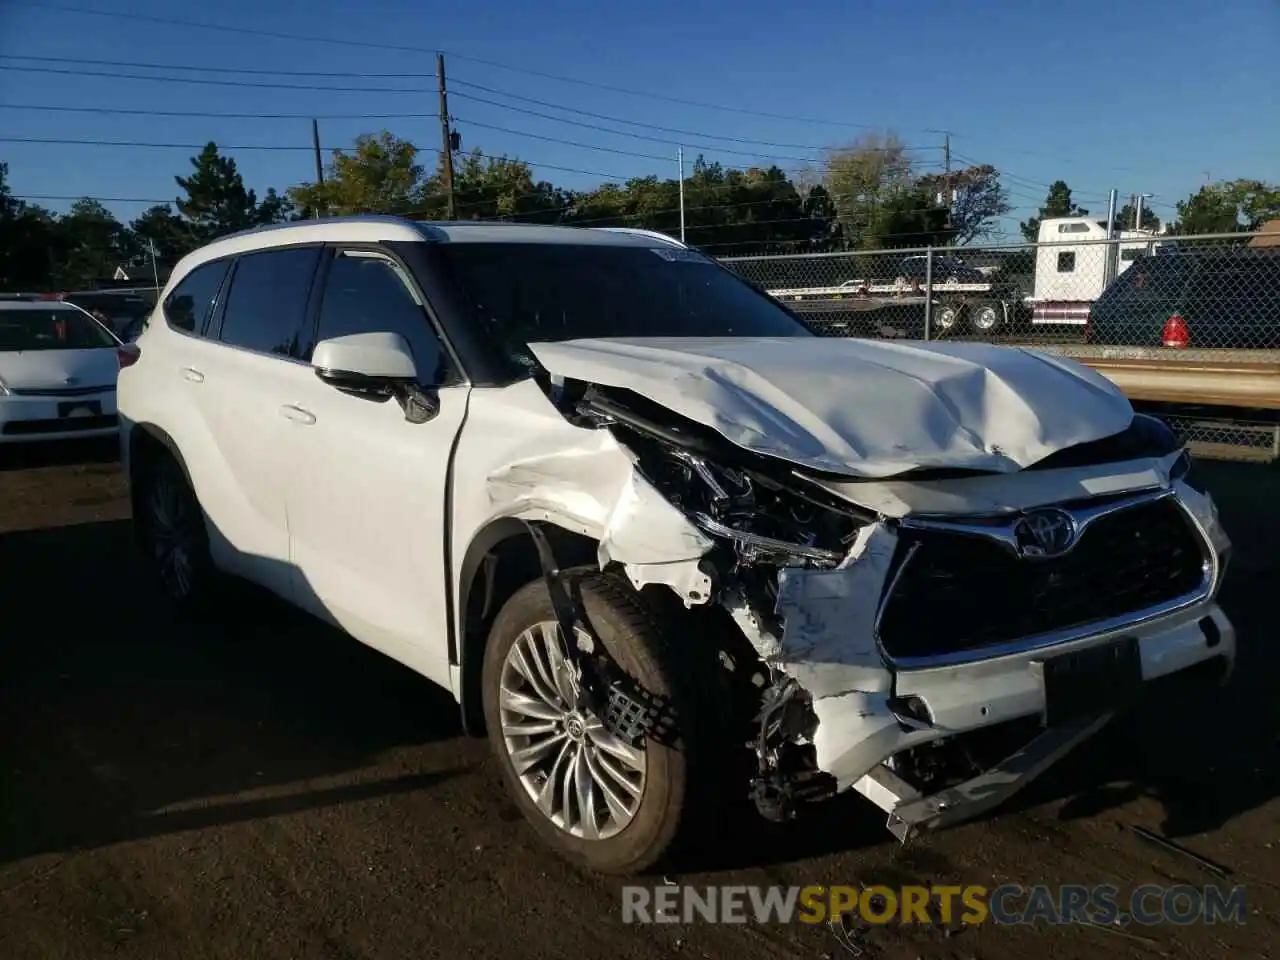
{"points": [[1242, 379]]}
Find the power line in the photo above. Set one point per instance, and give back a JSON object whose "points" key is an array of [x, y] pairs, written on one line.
{"points": [[75, 197], [216, 115], [634, 123], [70, 142], [346, 41], [203, 81], [251, 71], [253, 84]]}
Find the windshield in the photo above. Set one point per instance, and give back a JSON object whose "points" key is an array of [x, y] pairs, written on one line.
{"points": [[52, 329], [526, 293]]}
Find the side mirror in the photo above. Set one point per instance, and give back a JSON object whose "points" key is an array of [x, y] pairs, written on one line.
{"points": [[364, 361], [375, 366]]}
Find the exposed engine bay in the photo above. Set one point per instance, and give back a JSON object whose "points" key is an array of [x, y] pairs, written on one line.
{"points": [[803, 563]]}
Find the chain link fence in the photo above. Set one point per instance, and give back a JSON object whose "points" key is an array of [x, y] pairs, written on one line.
{"points": [[1145, 297], [1177, 293]]}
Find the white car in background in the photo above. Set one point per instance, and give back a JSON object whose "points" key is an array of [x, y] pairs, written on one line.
{"points": [[58, 368]]}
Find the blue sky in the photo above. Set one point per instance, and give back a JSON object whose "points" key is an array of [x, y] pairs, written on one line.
{"points": [[1142, 97]]}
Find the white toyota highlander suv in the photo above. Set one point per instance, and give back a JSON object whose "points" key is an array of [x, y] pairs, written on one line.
{"points": [[660, 541]]}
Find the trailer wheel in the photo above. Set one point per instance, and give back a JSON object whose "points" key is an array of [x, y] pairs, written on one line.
{"points": [[949, 317], [986, 317]]}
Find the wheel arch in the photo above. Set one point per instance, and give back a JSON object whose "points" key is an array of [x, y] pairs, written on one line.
{"points": [[500, 559], [146, 442]]}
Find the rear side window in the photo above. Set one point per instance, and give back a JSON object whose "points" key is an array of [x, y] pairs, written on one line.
{"points": [[187, 307], [266, 307], [367, 294], [1153, 280]]}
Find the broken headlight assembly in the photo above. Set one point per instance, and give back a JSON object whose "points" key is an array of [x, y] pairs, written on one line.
{"points": [[765, 514]]}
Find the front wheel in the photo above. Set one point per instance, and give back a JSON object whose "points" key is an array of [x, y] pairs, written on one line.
{"points": [[595, 799]]}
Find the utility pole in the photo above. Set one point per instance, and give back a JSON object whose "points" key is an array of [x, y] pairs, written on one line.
{"points": [[680, 161], [946, 154], [446, 138], [1110, 266], [315, 146]]}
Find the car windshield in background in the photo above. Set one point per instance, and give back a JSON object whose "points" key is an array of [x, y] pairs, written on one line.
{"points": [[526, 293], [52, 329]]}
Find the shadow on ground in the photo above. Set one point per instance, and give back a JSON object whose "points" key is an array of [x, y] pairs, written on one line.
{"points": [[30, 456], [111, 710]]}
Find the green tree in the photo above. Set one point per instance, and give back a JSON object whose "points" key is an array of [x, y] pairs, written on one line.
{"points": [[1127, 214], [863, 178], [1057, 203], [31, 246], [487, 188], [94, 244], [380, 175], [160, 228], [217, 201], [975, 196], [1228, 207]]}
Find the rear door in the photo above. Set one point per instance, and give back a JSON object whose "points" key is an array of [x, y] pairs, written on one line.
{"points": [[248, 382]]}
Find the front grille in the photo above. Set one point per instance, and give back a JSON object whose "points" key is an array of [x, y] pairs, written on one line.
{"points": [[960, 593], [16, 428]]}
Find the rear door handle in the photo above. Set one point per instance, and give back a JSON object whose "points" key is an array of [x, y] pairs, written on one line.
{"points": [[192, 374], [297, 414]]}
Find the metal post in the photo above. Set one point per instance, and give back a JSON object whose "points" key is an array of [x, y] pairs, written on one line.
{"points": [[1110, 265], [1137, 212], [315, 146], [155, 270], [928, 290], [446, 155], [680, 161]]}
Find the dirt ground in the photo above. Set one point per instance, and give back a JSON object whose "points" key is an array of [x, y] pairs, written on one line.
{"points": [[261, 787]]}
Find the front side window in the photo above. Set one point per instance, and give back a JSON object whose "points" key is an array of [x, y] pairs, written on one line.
{"points": [[522, 293], [1066, 262], [266, 307], [187, 307], [367, 293], [56, 328]]}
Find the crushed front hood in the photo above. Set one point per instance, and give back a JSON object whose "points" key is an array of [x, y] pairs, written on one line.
{"points": [[863, 408]]}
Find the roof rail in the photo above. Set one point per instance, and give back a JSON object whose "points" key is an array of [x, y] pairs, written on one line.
{"points": [[651, 234]]}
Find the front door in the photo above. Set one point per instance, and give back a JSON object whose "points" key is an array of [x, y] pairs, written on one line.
{"points": [[368, 496]]}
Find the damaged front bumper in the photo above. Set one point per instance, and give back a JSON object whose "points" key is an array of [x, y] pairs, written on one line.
{"points": [[1197, 644], [936, 735]]}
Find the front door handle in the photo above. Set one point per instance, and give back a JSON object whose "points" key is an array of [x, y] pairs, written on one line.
{"points": [[192, 374], [297, 414]]}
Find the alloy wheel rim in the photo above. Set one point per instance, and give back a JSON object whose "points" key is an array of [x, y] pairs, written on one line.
{"points": [[585, 780], [172, 537], [986, 318]]}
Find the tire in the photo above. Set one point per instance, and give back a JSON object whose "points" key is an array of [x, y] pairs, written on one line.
{"points": [[676, 781], [986, 317], [949, 318], [172, 533]]}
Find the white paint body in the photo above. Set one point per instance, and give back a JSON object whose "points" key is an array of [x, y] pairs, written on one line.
{"points": [[353, 513]]}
